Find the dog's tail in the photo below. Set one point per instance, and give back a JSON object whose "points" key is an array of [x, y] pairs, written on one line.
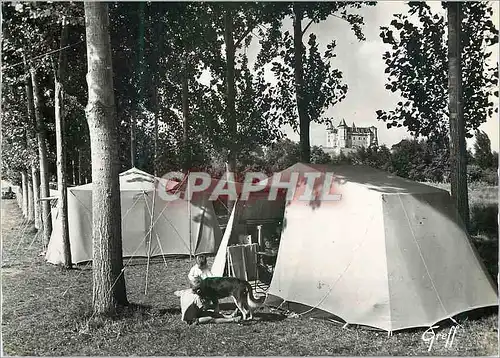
{"points": [[253, 302]]}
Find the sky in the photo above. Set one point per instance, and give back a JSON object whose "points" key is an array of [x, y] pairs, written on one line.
{"points": [[363, 71]]}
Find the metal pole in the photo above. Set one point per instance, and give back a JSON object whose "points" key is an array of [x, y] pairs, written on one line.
{"points": [[189, 221], [150, 237]]}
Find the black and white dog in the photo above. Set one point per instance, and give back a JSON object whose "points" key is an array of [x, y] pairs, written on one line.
{"points": [[214, 288]]}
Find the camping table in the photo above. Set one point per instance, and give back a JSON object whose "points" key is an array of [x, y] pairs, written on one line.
{"points": [[242, 262]]}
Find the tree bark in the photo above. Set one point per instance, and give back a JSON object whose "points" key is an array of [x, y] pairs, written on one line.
{"points": [[31, 204], [42, 153], [108, 279], [158, 51], [29, 105], [36, 196], [69, 171], [304, 123], [62, 202], [231, 93], [132, 140], [157, 116], [140, 94], [458, 150], [80, 169], [24, 187], [74, 172]]}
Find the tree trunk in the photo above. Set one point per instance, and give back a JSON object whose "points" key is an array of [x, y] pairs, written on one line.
{"points": [[186, 163], [42, 153], [140, 94], [132, 140], [29, 105], [157, 116], [36, 196], [108, 279], [458, 150], [31, 204], [80, 168], [24, 186], [74, 173], [231, 94], [304, 125], [69, 171], [158, 51], [62, 202]]}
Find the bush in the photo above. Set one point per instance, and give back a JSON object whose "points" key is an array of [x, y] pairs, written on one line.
{"points": [[474, 173], [489, 176], [488, 251], [484, 220]]}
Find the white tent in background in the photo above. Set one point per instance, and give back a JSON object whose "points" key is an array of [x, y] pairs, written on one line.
{"points": [[391, 254], [178, 227]]}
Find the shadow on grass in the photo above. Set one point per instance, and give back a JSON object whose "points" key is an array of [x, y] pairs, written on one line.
{"points": [[269, 317], [133, 309], [258, 316], [475, 315], [170, 310], [122, 312]]}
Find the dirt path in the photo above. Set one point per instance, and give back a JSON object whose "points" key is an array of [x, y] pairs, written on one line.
{"points": [[33, 291], [20, 243]]}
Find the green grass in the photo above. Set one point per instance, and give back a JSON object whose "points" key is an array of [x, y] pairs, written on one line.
{"points": [[479, 193], [46, 311]]}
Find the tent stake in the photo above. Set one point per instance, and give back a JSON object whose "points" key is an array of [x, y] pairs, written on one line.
{"points": [[150, 233]]}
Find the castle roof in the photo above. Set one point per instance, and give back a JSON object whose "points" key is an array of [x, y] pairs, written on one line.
{"points": [[353, 129], [359, 130]]}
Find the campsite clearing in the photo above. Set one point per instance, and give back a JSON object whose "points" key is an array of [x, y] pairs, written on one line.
{"points": [[46, 311]]}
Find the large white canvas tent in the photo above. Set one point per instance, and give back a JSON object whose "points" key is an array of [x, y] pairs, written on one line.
{"points": [[179, 227], [391, 254]]}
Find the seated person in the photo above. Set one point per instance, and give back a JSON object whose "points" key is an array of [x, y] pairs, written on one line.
{"points": [[199, 271], [194, 309]]}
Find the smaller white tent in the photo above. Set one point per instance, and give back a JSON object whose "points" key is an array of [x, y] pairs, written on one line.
{"points": [[178, 227]]}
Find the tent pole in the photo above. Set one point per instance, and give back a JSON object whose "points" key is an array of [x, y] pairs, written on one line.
{"points": [[244, 261], [189, 221], [150, 236]]}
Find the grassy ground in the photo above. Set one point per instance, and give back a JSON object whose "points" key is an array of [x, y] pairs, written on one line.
{"points": [[479, 193], [45, 311]]}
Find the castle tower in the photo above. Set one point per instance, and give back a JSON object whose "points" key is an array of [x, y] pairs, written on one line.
{"points": [[374, 136], [342, 134], [330, 136]]}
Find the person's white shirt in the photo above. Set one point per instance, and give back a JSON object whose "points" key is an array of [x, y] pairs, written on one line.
{"points": [[196, 274]]}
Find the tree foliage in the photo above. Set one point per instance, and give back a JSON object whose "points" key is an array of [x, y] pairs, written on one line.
{"points": [[307, 83], [483, 156], [423, 160], [32, 33], [417, 68], [323, 83]]}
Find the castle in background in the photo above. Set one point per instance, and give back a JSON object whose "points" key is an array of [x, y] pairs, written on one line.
{"points": [[347, 139]]}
